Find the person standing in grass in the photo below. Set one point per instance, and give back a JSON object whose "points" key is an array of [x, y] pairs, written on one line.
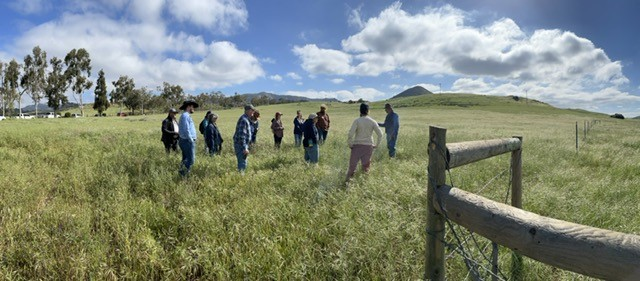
{"points": [[391, 126], [311, 139], [297, 128], [203, 126], [323, 123], [278, 129], [212, 136], [242, 137], [170, 131], [255, 125], [361, 142], [187, 132]]}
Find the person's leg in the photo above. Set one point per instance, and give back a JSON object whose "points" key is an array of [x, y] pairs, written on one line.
{"points": [[307, 154], [298, 139], [324, 135], [353, 161], [315, 153], [391, 145], [367, 152], [242, 159], [167, 147], [186, 152]]}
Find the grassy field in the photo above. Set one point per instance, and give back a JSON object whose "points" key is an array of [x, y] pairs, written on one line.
{"points": [[97, 198]]}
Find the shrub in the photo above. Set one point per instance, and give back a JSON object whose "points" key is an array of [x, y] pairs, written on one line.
{"points": [[67, 114]]}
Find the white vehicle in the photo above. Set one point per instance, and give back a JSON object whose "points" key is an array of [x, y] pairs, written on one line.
{"points": [[2, 117], [75, 115], [24, 116], [51, 115]]}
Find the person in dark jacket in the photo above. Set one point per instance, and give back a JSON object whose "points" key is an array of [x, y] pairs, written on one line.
{"points": [[297, 128], [311, 139], [391, 126], [323, 123], [212, 136], [278, 129], [170, 131], [203, 126], [255, 126]]}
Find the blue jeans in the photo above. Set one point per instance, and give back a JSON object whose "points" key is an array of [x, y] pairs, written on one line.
{"points": [[298, 139], [242, 159], [312, 154], [323, 135], [188, 148], [391, 145]]}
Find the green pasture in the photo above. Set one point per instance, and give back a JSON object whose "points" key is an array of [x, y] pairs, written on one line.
{"points": [[97, 198]]}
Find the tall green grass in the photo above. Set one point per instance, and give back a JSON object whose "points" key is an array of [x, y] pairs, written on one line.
{"points": [[97, 198]]}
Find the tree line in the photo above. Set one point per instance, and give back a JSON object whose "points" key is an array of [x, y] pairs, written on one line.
{"points": [[40, 78]]}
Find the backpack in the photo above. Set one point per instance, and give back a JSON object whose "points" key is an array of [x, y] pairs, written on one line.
{"points": [[202, 126]]}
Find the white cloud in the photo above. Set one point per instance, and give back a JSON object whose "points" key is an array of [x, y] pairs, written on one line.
{"points": [[355, 19], [294, 76], [323, 61], [223, 16], [495, 58], [30, 6], [337, 81], [276, 77], [145, 51], [343, 95]]}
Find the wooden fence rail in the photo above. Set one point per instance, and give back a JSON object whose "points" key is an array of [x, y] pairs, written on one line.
{"points": [[463, 153], [587, 250], [583, 249]]}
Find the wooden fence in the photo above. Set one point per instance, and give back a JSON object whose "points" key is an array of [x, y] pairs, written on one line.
{"points": [[586, 250]]}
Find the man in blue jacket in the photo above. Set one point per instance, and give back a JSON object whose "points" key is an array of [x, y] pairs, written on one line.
{"points": [[391, 126], [242, 137], [188, 136]]}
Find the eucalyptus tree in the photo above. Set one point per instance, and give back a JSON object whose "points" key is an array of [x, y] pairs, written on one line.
{"points": [[172, 94], [2, 87], [77, 73], [123, 89], [34, 78], [101, 102], [11, 83], [56, 85]]}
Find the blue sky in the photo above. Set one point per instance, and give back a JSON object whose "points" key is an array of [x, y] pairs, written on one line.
{"points": [[570, 53]]}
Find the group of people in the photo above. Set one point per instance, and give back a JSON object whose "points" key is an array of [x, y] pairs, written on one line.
{"points": [[309, 133]]}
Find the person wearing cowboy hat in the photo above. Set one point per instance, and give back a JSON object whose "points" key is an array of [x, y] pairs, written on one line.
{"points": [[188, 136], [170, 131]]}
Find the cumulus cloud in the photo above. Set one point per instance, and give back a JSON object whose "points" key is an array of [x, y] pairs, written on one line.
{"points": [[494, 58], [276, 77], [30, 6], [223, 16], [143, 48], [343, 95], [337, 81], [294, 76], [323, 61]]}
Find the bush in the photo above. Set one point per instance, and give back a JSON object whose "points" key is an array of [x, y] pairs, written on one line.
{"points": [[67, 114], [618, 115]]}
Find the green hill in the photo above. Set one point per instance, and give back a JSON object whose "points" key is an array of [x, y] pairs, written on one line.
{"points": [[502, 104], [414, 91]]}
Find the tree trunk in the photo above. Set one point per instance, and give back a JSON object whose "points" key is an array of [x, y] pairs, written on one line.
{"points": [[81, 107]]}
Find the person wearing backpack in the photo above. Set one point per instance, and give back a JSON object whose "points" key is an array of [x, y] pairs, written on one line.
{"points": [[203, 127], [212, 136]]}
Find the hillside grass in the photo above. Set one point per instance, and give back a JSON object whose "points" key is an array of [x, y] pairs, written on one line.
{"points": [[97, 198]]}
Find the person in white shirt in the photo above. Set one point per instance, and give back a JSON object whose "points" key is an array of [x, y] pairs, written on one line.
{"points": [[361, 142]]}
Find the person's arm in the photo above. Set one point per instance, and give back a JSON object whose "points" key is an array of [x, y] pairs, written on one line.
{"points": [[165, 127], [376, 128], [352, 133]]}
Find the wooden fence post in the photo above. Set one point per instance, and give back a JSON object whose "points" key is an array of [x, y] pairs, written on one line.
{"points": [[434, 256], [516, 176], [576, 136]]}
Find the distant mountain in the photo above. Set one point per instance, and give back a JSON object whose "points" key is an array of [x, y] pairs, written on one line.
{"points": [[284, 98], [44, 108], [415, 91]]}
